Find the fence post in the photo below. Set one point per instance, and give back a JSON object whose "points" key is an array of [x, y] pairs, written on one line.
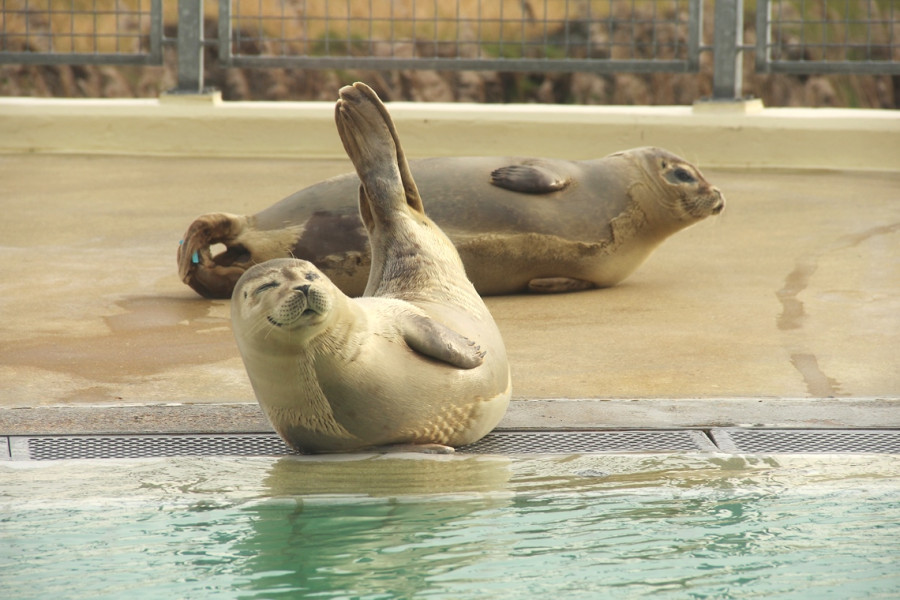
{"points": [[728, 38], [190, 47]]}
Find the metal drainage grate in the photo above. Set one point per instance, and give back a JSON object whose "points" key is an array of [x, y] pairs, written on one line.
{"points": [[573, 442], [807, 440], [145, 446], [269, 444], [744, 441]]}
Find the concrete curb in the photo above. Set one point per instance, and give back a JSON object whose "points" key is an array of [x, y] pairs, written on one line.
{"points": [[644, 413], [792, 138]]}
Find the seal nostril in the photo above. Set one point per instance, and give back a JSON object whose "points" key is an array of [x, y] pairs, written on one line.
{"points": [[301, 288]]}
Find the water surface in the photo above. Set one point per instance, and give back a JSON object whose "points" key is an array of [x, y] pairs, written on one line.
{"points": [[613, 526]]}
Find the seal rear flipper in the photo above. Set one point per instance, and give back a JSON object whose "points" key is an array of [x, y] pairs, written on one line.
{"points": [[529, 179], [215, 276], [411, 447], [434, 340], [557, 285]]}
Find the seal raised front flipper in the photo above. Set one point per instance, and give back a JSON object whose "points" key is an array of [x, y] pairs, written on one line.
{"points": [[529, 179], [427, 336]]}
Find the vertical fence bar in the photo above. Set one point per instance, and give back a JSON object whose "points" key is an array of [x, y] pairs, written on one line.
{"points": [[225, 32], [156, 31], [695, 33], [190, 47], [727, 41], [763, 36]]}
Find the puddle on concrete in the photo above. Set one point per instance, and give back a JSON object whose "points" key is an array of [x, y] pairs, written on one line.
{"points": [[152, 335], [794, 315], [797, 281], [818, 384]]}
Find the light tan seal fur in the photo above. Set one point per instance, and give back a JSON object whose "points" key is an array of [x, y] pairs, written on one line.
{"points": [[519, 224], [417, 360]]}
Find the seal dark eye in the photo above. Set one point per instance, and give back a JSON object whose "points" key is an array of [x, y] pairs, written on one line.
{"points": [[265, 286], [684, 176], [312, 276]]}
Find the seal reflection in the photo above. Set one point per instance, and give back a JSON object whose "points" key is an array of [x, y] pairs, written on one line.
{"points": [[367, 526]]}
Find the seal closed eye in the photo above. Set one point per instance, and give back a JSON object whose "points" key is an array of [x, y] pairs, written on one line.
{"points": [[417, 361]]}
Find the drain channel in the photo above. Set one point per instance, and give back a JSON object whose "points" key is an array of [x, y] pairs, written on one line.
{"points": [[145, 446], [811, 441], [730, 440], [269, 444], [573, 442]]}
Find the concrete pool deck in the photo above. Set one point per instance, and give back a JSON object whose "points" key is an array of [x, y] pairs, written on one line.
{"points": [[784, 311]]}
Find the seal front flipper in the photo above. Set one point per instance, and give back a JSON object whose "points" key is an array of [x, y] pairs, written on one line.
{"points": [[557, 285], [529, 179], [434, 340]]}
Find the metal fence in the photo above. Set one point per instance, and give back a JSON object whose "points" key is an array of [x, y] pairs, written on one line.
{"points": [[102, 32], [505, 35], [601, 36], [861, 37]]}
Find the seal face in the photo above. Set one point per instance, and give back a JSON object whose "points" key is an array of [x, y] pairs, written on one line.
{"points": [[417, 361], [519, 224], [303, 299]]}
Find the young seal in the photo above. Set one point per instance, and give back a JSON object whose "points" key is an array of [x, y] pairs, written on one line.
{"points": [[519, 224], [418, 360]]}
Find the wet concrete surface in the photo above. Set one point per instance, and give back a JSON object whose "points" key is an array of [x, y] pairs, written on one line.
{"points": [[793, 292]]}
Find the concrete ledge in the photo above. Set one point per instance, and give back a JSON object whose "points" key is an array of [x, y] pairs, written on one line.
{"points": [[645, 413], [768, 138]]}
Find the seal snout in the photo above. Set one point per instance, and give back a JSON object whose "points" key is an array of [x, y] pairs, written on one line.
{"points": [[708, 201], [718, 204]]}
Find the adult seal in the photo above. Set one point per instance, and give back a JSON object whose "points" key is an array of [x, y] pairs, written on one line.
{"points": [[418, 360], [519, 224]]}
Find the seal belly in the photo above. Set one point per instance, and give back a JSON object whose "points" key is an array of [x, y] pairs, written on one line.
{"points": [[370, 397]]}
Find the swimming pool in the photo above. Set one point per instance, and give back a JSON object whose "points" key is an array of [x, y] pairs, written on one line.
{"points": [[687, 525]]}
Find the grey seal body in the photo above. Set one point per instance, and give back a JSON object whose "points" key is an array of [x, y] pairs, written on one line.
{"points": [[418, 360], [519, 224]]}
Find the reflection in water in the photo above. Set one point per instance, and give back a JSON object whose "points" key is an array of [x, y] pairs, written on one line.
{"points": [[582, 526], [337, 527], [360, 549], [386, 475], [636, 526]]}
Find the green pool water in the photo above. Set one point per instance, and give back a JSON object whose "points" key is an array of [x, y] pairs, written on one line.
{"points": [[452, 527]]}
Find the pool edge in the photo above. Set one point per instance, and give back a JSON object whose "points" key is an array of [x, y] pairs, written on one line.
{"points": [[531, 414]]}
